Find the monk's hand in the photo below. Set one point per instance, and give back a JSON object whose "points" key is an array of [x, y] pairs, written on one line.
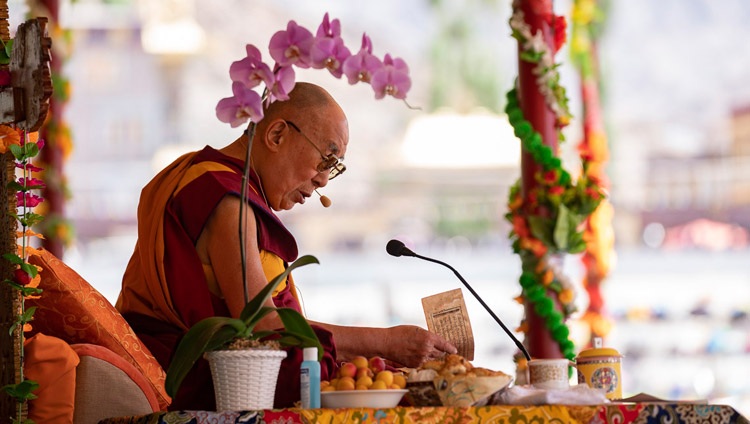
{"points": [[412, 346]]}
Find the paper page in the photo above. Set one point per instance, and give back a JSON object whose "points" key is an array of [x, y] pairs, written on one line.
{"points": [[446, 315]]}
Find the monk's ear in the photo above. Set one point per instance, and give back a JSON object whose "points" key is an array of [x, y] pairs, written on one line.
{"points": [[275, 134]]}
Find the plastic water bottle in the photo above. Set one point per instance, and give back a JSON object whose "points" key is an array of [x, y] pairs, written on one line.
{"points": [[309, 378]]}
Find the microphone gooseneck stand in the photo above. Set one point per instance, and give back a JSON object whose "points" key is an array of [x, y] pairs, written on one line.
{"points": [[397, 248]]}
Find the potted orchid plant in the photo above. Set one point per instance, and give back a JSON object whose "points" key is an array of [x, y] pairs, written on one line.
{"points": [[236, 339], [293, 47]]}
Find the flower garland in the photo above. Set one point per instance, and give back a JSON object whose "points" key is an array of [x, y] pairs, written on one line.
{"points": [[548, 220], [588, 19], [26, 277], [535, 50]]}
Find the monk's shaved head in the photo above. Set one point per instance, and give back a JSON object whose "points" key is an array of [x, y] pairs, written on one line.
{"points": [[306, 102]]}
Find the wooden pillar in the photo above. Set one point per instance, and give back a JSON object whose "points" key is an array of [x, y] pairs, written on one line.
{"points": [[24, 96], [9, 298], [539, 341]]}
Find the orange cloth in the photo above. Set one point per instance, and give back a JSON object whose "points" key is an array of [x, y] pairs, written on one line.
{"points": [[52, 363], [144, 277]]}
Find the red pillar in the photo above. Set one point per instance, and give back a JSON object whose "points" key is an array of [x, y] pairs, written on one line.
{"points": [[537, 14], [52, 157]]}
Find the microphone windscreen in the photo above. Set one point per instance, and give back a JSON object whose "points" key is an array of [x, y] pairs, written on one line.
{"points": [[325, 201], [395, 248]]}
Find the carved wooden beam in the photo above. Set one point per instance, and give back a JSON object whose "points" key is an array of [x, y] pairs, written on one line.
{"points": [[26, 102]]}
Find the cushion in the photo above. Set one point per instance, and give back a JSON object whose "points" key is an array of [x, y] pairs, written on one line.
{"points": [[109, 386], [51, 362], [71, 309]]}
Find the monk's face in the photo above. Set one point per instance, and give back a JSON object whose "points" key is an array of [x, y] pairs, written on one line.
{"points": [[306, 144]]}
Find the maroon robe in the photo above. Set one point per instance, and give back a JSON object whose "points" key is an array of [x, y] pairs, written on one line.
{"points": [[185, 215]]}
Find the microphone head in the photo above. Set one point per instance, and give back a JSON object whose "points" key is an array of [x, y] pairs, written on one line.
{"points": [[324, 200], [395, 248]]}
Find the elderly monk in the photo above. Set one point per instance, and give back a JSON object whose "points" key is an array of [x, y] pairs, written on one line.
{"points": [[186, 265]]}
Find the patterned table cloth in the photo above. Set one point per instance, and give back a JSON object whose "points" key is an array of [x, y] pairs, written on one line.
{"points": [[610, 413]]}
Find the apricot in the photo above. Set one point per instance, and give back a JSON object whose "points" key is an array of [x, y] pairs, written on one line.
{"points": [[364, 372], [328, 388], [399, 380], [376, 364], [364, 380], [385, 376], [347, 369], [360, 362], [378, 385], [345, 383]]}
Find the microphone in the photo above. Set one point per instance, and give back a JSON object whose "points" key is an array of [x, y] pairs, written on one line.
{"points": [[397, 248], [324, 200]]}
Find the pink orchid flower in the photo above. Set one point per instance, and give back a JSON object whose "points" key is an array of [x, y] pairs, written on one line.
{"points": [[362, 66], [328, 49], [329, 53], [31, 183], [28, 200], [291, 47], [392, 79], [329, 29], [236, 110], [283, 83], [251, 70]]}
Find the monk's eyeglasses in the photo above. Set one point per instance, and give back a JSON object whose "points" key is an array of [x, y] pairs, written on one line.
{"points": [[330, 163]]}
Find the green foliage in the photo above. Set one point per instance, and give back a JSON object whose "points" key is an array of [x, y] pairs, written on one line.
{"points": [[6, 51], [213, 333]]}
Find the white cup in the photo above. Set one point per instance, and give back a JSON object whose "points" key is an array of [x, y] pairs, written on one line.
{"points": [[549, 373]]}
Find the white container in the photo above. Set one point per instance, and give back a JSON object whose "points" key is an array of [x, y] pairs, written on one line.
{"points": [[245, 379], [549, 373]]}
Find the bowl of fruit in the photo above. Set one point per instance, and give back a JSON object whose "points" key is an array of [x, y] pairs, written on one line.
{"points": [[363, 383]]}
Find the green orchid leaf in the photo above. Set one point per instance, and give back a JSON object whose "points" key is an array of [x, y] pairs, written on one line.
{"points": [[208, 334], [262, 297], [262, 312], [562, 228], [296, 324]]}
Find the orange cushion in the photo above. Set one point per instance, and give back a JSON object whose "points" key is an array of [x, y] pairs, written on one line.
{"points": [[69, 308], [109, 386], [52, 363]]}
